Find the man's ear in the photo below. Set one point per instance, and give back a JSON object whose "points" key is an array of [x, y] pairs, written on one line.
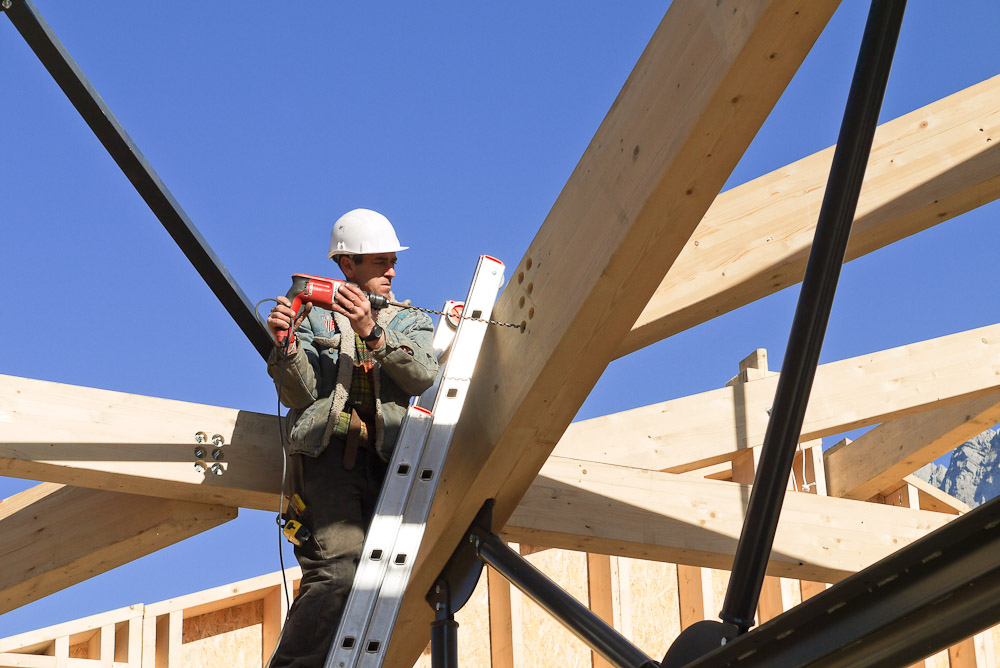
{"points": [[347, 266]]}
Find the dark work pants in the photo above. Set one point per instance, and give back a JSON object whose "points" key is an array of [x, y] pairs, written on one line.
{"points": [[339, 508]]}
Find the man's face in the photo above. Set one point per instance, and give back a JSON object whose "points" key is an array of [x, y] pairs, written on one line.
{"points": [[373, 274]]}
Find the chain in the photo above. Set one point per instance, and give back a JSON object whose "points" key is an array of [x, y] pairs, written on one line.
{"points": [[498, 323]]}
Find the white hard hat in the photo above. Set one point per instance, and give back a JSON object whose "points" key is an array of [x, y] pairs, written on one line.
{"points": [[363, 231]]}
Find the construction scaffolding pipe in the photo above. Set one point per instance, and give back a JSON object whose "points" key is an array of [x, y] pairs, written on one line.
{"points": [[812, 312], [53, 55], [575, 616]]}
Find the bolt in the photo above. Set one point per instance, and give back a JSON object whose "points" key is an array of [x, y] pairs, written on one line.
{"points": [[769, 410], [6, 4], [437, 589], [217, 469], [199, 452], [199, 467], [217, 455], [200, 437], [218, 441]]}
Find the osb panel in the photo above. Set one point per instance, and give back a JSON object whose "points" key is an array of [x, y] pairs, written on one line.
{"points": [[720, 582], [986, 648], [229, 637], [241, 647], [223, 621], [939, 660], [546, 641], [655, 607], [80, 651], [791, 593]]}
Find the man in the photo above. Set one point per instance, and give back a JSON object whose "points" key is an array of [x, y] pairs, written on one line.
{"points": [[347, 377]]}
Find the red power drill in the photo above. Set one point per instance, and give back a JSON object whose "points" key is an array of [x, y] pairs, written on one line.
{"points": [[320, 291]]}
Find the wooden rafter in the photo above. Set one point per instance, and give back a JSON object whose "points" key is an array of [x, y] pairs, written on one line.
{"points": [[619, 510], [864, 467], [52, 536], [142, 445], [926, 167], [702, 429]]}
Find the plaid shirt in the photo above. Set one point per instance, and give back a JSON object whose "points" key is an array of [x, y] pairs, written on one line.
{"points": [[362, 393]]}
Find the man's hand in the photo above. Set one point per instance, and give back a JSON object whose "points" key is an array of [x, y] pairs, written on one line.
{"points": [[282, 316], [352, 303]]}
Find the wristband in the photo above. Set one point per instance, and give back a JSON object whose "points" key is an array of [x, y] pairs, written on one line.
{"points": [[373, 335]]}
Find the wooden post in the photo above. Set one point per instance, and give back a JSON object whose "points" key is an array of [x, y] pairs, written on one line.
{"points": [[61, 651], [600, 596], [694, 594], [963, 654], [133, 654], [275, 608], [501, 623], [107, 651]]}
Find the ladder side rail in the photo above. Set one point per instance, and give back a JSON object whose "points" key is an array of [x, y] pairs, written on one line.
{"points": [[384, 527], [392, 500], [444, 337]]}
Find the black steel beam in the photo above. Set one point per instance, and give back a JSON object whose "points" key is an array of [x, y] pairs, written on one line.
{"points": [[575, 616], [98, 116], [928, 596], [812, 312]]}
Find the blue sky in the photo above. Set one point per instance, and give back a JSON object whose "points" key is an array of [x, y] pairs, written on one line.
{"points": [[461, 122]]}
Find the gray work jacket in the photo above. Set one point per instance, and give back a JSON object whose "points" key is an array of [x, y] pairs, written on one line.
{"points": [[315, 379]]}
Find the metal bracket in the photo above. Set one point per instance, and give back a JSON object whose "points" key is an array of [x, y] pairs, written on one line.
{"points": [[458, 579]]}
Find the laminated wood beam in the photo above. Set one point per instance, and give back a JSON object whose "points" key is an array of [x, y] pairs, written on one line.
{"points": [[53, 536], [926, 167], [703, 429], [596, 507], [130, 443], [701, 89], [864, 467]]}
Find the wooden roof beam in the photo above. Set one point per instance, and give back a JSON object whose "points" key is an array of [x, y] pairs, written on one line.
{"points": [[703, 429], [926, 167], [706, 81], [53, 536], [130, 443], [861, 468], [597, 507]]}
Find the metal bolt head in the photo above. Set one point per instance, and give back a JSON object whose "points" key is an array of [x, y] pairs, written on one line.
{"points": [[199, 452], [218, 441], [217, 455], [217, 468], [6, 4], [199, 467], [200, 437]]}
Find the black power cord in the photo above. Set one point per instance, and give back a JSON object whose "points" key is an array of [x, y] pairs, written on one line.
{"points": [[284, 478]]}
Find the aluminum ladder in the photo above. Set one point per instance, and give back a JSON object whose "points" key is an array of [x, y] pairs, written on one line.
{"points": [[404, 504]]}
